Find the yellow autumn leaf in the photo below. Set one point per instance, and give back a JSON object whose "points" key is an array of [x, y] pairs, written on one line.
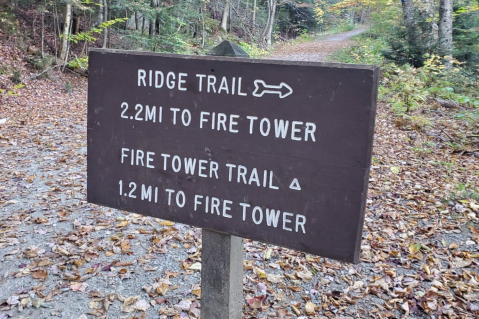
{"points": [[309, 308], [474, 207], [196, 292], [162, 289], [123, 223], [259, 272], [395, 170]]}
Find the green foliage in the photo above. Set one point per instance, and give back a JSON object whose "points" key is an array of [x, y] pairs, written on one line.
{"points": [[82, 62], [366, 51], [299, 16], [13, 91], [79, 63], [424, 149], [470, 116], [465, 192], [466, 33], [407, 88], [88, 36], [16, 76], [8, 21], [3, 69], [168, 42], [455, 85], [404, 90], [346, 26], [253, 50], [40, 63], [68, 87]]}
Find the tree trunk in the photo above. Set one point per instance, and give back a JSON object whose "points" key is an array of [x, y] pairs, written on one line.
{"points": [[152, 21], [203, 32], [66, 31], [43, 31], [55, 30], [253, 20], [411, 29], [224, 18], [271, 12], [230, 15], [266, 26], [105, 19], [445, 32], [157, 22], [34, 25], [427, 13], [99, 20]]}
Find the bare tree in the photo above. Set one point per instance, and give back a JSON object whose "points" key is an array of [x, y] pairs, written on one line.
{"points": [[253, 22], [100, 13], [412, 30], [105, 19], [153, 19], [268, 29], [43, 29], [66, 31], [445, 31], [426, 14], [224, 18]]}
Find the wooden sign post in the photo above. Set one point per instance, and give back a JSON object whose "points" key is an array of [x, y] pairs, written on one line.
{"points": [[221, 276], [222, 254], [274, 151]]}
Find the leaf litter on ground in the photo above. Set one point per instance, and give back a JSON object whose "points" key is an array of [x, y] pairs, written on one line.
{"points": [[61, 256]]}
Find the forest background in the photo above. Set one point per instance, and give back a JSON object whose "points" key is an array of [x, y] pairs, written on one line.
{"points": [[428, 50]]}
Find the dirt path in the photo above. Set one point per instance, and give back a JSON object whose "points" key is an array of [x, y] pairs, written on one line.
{"points": [[317, 50]]}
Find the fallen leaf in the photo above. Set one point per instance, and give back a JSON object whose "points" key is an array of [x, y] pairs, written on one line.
{"points": [[255, 302], [395, 170], [162, 289], [195, 266], [309, 308], [40, 274], [295, 310], [141, 305]]}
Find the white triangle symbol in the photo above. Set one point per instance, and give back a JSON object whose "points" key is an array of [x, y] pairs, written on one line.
{"points": [[295, 185]]}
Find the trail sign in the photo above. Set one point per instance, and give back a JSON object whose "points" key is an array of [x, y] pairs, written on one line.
{"points": [[274, 151]]}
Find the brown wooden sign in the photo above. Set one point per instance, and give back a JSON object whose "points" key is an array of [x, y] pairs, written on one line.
{"points": [[274, 151]]}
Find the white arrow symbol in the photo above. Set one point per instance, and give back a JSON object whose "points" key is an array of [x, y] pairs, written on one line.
{"points": [[261, 88]]}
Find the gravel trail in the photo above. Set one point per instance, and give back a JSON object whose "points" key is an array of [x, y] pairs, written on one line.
{"points": [[318, 50]]}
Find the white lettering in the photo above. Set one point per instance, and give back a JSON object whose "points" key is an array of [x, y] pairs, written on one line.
{"points": [[160, 84], [253, 215], [200, 81], [170, 80], [286, 220], [141, 77], [295, 130], [181, 81], [251, 121], [244, 205], [272, 217]]}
